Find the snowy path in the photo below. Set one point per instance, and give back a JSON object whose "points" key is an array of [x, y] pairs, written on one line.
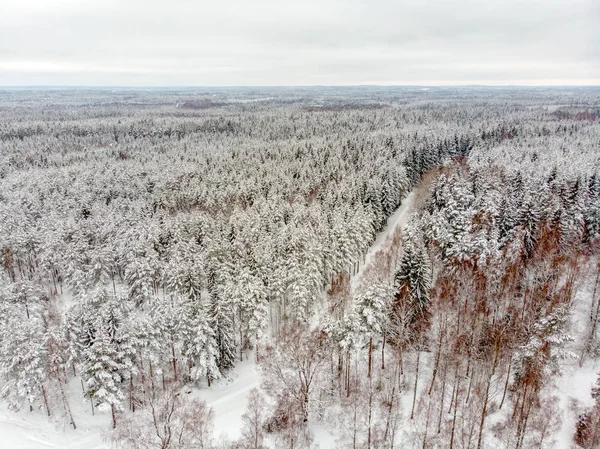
{"points": [[228, 397], [34, 430], [573, 388], [18, 431], [398, 218]]}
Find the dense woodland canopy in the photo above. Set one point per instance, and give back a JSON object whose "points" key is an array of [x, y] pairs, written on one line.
{"points": [[151, 239]]}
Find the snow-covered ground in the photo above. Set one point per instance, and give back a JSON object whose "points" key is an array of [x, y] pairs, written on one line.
{"points": [[575, 384], [228, 396], [33, 430]]}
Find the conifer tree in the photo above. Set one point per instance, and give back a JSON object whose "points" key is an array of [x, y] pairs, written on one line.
{"points": [[199, 343], [221, 320], [103, 373], [413, 277], [23, 357]]}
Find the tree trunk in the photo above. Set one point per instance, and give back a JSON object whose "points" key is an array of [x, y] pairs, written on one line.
{"points": [[131, 406], [437, 363], [370, 356], [506, 383], [523, 427], [383, 348], [151, 375], [54, 281], [348, 375], [114, 416], [521, 415], [486, 397], [354, 428], [426, 423], [587, 346], [66, 403], [340, 369], [401, 357], [455, 412], [45, 400], [469, 359], [412, 411], [305, 407], [470, 384], [370, 414], [454, 385], [389, 415], [174, 361], [445, 372]]}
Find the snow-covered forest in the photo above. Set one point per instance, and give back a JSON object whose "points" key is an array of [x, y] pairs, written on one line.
{"points": [[300, 267]]}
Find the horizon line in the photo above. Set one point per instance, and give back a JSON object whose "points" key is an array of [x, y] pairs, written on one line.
{"points": [[596, 83], [200, 86]]}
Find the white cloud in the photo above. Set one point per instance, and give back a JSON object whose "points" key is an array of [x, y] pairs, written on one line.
{"points": [[263, 42]]}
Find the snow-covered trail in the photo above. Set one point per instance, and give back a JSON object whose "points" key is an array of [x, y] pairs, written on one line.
{"points": [[398, 218], [34, 430], [18, 432], [574, 386], [228, 397]]}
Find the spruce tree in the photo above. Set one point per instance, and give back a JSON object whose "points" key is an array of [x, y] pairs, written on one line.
{"points": [[199, 344], [413, 277]]}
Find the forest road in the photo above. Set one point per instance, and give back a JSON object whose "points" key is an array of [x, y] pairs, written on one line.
{"points": [[398, 218]]}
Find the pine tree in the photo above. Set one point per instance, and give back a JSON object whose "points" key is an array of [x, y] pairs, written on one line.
{"points": [[249, 296], [199, 344], [413, 277], [103, 373], [591, 213], [530, 218], [221, 320], [139, 277], [23, 356], [372, 304], [104, 347]]}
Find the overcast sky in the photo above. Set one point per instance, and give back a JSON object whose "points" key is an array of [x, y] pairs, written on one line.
{"points": [[299, 42]]}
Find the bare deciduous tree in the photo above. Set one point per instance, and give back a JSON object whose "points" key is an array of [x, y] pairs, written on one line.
{"points": [[295, 366], [253, 421], [169, 421]]}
